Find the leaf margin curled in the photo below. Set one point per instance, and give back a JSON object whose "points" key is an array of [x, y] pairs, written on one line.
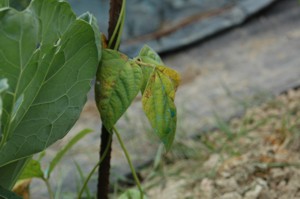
{"points": [[118, 82]]}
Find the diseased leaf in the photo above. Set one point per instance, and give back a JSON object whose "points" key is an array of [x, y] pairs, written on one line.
{"points": [[172, 74], [32, 170], [119, 81], [49, 59], [22, 188], [147, 71], [159, 86], [66, 148], [158, 104]]}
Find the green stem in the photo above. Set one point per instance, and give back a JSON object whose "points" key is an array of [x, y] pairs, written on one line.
{"points": [[137, 181], [144, 64], [50, 192], [118, 29], [93, 170], [122, 19]]}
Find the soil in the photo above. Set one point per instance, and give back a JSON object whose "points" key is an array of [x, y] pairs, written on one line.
{"points": [[254, 157]]}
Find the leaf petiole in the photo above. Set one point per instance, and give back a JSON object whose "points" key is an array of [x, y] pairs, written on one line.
{"points": [[138, 62], [116, 36], [136, 179]]}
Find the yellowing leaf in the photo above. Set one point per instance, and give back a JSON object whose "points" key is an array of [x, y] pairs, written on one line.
{"points": [[158, 104], [118, 82], [149, 56], [22, 188], [159, 86], [172, 74], [147, 71]]}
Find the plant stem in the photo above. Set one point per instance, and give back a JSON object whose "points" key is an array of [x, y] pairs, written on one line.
{"points": [[93, 170], [50, 192], [116, 13], [137, 181], [116, 20], [120, 25], [104, 168]]}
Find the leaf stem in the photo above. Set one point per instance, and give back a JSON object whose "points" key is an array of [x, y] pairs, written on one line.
{"points": [[144, 64], [122, 19], [137, 181], [94, 169], [50, 192], [118, 29]]}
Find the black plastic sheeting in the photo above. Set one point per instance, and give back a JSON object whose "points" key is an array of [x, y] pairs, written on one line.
{"points": [[170, 24]]}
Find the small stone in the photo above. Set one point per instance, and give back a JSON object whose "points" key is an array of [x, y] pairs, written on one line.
{"points": [[268, 194], [207, 188], [282, 184], [253, 194], [225, 174], [213, 160], [262, 182], [227, 185], [278, 174], [231, 195]]}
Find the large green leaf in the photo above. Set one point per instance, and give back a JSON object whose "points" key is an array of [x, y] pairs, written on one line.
{"points": [[6, 194], [119, 82], [3, 88], [91, 19], [4, 3], [49, 58], [10, 173]]}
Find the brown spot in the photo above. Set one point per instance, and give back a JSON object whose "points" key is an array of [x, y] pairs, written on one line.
{"points": [[104, 41]]}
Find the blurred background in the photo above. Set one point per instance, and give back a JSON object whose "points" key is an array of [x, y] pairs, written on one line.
{"points": [[240, 67]]}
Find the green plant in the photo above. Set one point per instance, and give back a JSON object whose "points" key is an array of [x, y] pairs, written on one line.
{"points": [[33, 168], [48, 58]]}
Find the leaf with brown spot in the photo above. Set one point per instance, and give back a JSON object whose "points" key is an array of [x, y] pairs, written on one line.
{"points": [[120, 81]]}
